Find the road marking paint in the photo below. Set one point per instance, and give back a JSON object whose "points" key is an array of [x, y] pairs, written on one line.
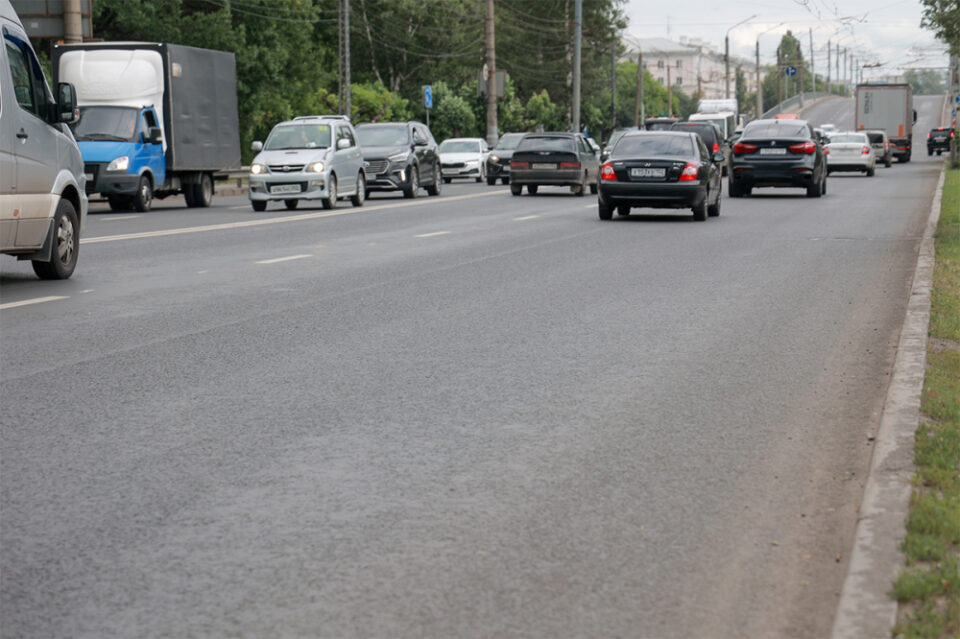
{"points": [[590, 206], [284, 259], [282, 220], [87, 290], [119, 217], [433, 234], [36, 300], [525, 217], [202, 272]]}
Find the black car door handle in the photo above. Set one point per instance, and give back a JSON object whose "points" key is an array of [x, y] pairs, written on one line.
{"points": [[22, 135]]}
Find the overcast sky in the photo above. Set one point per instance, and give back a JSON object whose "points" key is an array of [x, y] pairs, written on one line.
{"points": [[879, 31]]}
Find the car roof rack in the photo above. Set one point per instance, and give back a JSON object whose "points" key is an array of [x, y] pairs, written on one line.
{"points": [[324, 117]]}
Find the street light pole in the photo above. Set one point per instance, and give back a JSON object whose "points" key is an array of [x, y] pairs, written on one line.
{"points": [[759, 88], [726, 55]]}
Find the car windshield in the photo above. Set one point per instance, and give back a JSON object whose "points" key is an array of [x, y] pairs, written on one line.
{"points": [[460, 146], [640, 146], [509, 141], [706, 132], [545, 143], [383, 135], [298, 136], [659, 126], [841, 138], [875, 138], [776, 129], [106, 123]]}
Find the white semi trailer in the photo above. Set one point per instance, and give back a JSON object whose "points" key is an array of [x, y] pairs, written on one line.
{"points": [[888, 107]]}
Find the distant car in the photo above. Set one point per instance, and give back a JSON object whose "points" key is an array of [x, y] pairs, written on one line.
{"points": [[659, 123], [850, 151], [939, 140], [554, 159], [711, 136], [778, 153], [786, 116], [881, 146], [616, 135], [498, 162], [463, 158], [660, 169], [309, 158], [828, 128], [400, 156]]}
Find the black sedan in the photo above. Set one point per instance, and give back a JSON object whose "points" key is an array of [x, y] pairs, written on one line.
{"points": [[498, 162], [783, 153], [554, 159], [661, 169]]}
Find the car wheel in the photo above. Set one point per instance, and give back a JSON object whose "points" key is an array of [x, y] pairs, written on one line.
{"points": [[532, 189], [515, 189], [580, 189], [623, 210], [118, 203], [447, 180], [734, 189], [199, 195], [887, 163], [434, 189], [65, 245], [291, 204], [491, 181], [361, 195], [330, 201], [700, 211], [143, 200], [823, 188], [871, 171], [483, 175], [258, 205], [505, 180], [816, 190], [411, 189], [929, 152], [714, 209], [604, 211], [939, 151]]}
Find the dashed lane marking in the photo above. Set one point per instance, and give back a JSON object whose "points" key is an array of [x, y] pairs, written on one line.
{"points": [[284, 259], [525, 217], [36, 300], [433, 234]]}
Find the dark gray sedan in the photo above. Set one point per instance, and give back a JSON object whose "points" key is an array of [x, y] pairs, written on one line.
{"points": [[554, 159], [660, 169]]}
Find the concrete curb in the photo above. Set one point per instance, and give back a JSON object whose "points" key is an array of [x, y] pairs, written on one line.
{"points": [[865, 609]]}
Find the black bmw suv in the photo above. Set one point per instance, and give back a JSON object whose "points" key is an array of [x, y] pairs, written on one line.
{"points": [[939, 140], [400, 156]]}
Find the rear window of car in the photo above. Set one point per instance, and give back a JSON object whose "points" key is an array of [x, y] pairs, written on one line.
{"points": [[841, 138], [875, 138], [654, 145], [776, 129], [545, 143]]}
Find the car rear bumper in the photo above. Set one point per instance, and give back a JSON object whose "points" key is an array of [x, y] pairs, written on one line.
{"points": [[652, 194], [556, 178], [794, 175]]}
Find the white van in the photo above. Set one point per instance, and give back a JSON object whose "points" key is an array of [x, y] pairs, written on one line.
{"points": [[43, 202]]}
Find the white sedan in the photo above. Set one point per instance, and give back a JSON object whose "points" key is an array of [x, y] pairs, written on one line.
{"points": [[850, 151], [464, 158]]}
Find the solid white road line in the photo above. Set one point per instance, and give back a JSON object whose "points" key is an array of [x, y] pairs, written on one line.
{"points": [[284, 259], [37, 300], [525, 217], [119, 217], [433, 234], [285, 219]]}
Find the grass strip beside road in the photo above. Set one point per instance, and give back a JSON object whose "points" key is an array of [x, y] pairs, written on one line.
{"points": [[928, 589]]}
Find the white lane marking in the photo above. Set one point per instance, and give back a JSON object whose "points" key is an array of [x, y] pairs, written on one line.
{"points": [[433, 234], [36, 300], [284, 259], [119, 217], [87, 290], [590, 206], [525, 217], [202, 272], [282, 220]]}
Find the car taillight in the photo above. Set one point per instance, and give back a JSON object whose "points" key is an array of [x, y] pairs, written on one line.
{"points": [[928, 135], [569, 165], [865, 151], [607, 173], [826, 150], [952, 133], [689, 173], [742, 149], [519, 165], [803, 147], [716, 147]]}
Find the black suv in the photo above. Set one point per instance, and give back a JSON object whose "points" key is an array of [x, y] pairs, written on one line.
{"points": [[400, 156], [939, 140], [711, 136]]}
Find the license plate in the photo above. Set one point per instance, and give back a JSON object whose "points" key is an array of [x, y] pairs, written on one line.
{"points": [[773, 151], [285, 188], [542, 165], [939, 139], [647, 173]]}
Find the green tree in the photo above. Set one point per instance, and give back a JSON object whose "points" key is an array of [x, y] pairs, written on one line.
{"points": [[943, 17], [925, 81], [542, 114]]}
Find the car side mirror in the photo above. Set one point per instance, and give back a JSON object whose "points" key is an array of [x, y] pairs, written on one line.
{"points": [[914, 115], [719, 157], [154, 135], [257, 146], [420, 143], [343, 143], [66, 106]]}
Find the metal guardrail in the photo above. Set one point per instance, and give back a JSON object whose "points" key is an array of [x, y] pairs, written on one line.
{"points": [[792, 104], [236, 174]]}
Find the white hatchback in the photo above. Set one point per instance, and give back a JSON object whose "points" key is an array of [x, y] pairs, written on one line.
{"points": [[464, 158], [850, 151]]}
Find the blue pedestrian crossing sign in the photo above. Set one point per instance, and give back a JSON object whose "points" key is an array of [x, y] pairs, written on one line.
{"points": [[791, 70], [428, 96]]}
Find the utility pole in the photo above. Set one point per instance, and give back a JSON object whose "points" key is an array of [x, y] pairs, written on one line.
{"points": [[72, 22], [813, 67], [845, 81], [638, 102], [779, 82], [577, 27], [492, 136], [759, 88], [828, 66], [613, 84], [344, 75], [669, 91], [838, 63]]}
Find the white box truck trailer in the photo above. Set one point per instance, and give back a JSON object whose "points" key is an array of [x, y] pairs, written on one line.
{"points": [[888, 107]]}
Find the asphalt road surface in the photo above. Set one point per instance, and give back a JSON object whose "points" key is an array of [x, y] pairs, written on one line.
{"points": [[467, 416]]}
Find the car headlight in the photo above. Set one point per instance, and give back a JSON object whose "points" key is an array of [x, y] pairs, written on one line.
{"points": [[472, 162], [121, 163], [494, 158], [399, 157], [314, 167], [257, 169]]}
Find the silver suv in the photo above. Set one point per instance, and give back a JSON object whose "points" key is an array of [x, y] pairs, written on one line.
{"points": [[44, 202], [314, 157]]}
